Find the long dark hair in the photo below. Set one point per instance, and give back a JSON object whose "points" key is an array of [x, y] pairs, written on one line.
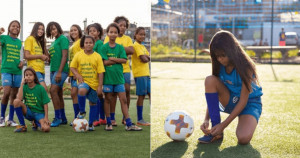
{"points": [[122, 18], [49, 28], [10, 25], [98, 27], [40, 40], [79, 32], [36, 80], [224, 41], [137, 31]]}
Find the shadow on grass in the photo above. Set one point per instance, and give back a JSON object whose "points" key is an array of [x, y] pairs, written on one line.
{"points": [[172, 149], [238, 151]]}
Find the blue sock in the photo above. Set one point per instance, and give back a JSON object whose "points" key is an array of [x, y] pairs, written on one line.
{"points": [[102, 114], [3, 109], [212, 100], [93, 112], [57, 114], [98, 109], [81, 101], [37, 123], [108, 121], [112, 116], [76, 109], [63, 114], [11, 112], [128, 122], [20, 115], [139, 112]]}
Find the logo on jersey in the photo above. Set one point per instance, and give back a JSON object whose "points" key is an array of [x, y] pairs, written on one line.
{"points": [[235, 99], [229, 82]]}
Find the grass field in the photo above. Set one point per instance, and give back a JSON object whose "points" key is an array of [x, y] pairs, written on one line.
{"points": [[63, 142], [180, 86]]}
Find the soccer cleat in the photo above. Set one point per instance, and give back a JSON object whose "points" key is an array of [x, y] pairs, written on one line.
{"points": [[102, 121], [91, 128], [96, 123], [21, 128], [143, 123], [114, 123], [109, 127], [81, 115], [133, 127], [12, 123], [2, 122], [56, 122], [208, 138], [71, 124], [64, 122]]}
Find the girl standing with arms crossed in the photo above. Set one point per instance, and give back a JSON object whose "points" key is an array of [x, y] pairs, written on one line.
{"points": [[126, 42], [234, 84], [114, 56], [35, 107], [75, 35], [11, 69], [95, 30], [58, 70], [88, 68], [36, 52], [141, 73]]}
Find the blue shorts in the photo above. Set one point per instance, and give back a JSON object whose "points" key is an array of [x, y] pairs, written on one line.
{"points": [[253, 107], [33, 115], [142, 85], [40, 76], [127, 77], [113, 88], [11, 80], [73, 82], [64, 76], [91, 95]]}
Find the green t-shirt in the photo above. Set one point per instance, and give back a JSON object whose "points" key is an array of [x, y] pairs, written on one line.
{"points": [[97, 46], [10, 54], [55, 51], [35, 98], [113, 73]]}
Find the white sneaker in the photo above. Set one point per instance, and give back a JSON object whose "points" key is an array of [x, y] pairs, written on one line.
{"points": [[12, 123], [2, 122]]}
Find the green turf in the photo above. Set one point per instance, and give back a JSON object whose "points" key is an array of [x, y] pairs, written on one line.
{"points": [[63, 142], [180, 86]]}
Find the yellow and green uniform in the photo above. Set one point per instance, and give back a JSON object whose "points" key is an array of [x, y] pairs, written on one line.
{"points": [[75, 48], [10, 54], [34, 48], [88, 66], [35, 98], [97, 46], [125, 41], [113, 73], [55, 51], [139, 68]]}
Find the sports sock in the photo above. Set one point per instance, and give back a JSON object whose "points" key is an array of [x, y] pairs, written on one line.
{"points": [[102, 114], [139, 112], [11, 112], [128, 122], [57, 114], [81, 101], [112, 116], [76, 109], [98, 109], [212, 100], [3, 109], [62, 114], [20, 115], [93, 112], [108, 121]]}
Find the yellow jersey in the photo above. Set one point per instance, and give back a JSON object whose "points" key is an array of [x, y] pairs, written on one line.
{"points": [[35, 49], [72, 51], [139, 68]]}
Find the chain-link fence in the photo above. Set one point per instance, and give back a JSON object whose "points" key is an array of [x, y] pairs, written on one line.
{"points": [[182, 29]]}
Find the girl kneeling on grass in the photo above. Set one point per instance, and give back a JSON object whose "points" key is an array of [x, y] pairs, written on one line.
{"points": [[234, 84], [35, 106], [88, 68]]}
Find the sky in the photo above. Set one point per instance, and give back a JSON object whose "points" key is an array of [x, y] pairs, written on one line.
{"points": [[68, 12]]}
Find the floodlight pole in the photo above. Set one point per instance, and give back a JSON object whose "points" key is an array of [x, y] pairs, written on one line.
{"points": [[195, 29], [272, 31], [21, 19]]}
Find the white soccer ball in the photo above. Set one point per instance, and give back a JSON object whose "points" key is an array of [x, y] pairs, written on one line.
{"points": [[80, 125], [179, 125]]}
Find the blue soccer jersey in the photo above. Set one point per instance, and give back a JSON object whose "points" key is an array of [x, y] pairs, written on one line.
{"points": [[233, 82]]}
